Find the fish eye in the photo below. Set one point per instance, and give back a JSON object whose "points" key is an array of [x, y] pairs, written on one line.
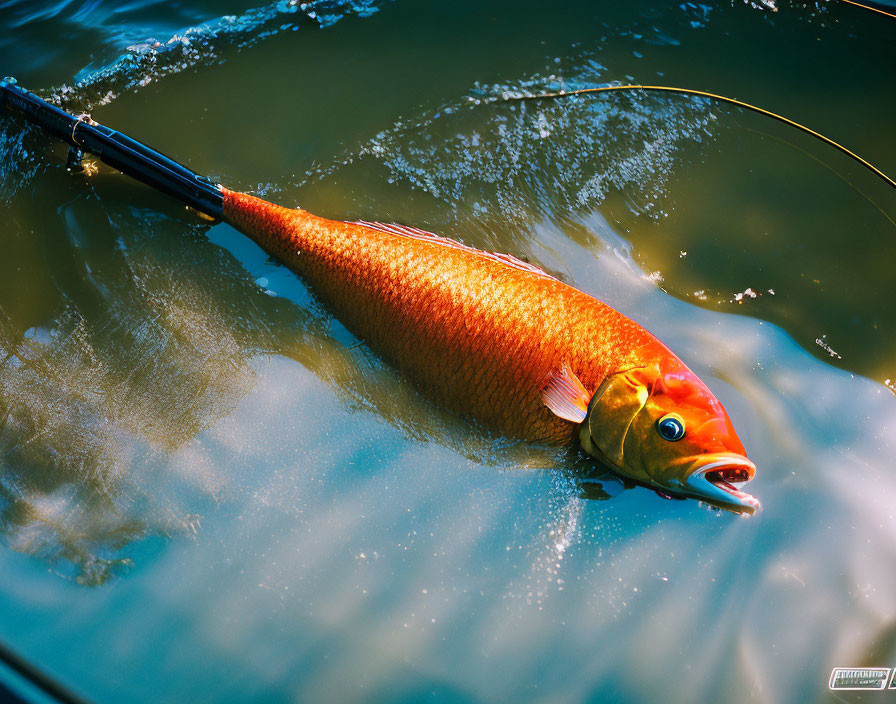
{"points": [[671, 427]]}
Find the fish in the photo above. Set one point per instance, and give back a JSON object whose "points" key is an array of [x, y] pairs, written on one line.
{"points": [[501, 341], [487, 335]]}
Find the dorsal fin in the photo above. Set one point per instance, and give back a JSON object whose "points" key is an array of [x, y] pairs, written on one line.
{"points": [[418, 234]]}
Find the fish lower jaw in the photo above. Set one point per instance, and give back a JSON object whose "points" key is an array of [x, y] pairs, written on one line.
{"points": [[714, 483]]}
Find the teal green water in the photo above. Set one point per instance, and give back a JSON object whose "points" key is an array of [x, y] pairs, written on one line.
{"points": [[209, 491]]}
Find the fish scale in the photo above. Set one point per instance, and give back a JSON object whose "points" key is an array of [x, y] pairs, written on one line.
{"points": [[477, 332]]}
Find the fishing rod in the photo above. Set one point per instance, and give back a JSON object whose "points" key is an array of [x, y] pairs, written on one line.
{"points": [[116, 149], [38, 678]]}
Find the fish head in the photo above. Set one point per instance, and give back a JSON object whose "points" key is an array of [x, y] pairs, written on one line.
{"points": [[667, 430]]}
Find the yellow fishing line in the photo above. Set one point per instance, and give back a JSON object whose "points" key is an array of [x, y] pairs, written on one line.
{"points": [[870, 9], [828, 167], [713, 96]]}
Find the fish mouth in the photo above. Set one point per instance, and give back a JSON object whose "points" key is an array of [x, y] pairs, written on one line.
{"points": [[713, 481]]}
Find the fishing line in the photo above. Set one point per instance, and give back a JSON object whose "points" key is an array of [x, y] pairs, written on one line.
{"points": [[702, 94], [870, 9], [826, 166]]}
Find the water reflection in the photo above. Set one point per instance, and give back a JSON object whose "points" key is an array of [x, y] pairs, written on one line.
{"points": [[156, 337], [136, 360], [666, 583]]}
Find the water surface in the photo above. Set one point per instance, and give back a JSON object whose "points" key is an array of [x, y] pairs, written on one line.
{"points": [[211, 491]]}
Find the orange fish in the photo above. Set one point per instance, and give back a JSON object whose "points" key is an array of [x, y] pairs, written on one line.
{"points": [[485, 334], [501, 341]]}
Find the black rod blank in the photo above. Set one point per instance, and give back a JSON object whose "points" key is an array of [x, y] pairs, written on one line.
{"points": [[38, 678], [116, 149]]}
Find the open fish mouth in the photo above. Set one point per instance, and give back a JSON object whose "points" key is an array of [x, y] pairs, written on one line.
{"points": [[714, 480]]}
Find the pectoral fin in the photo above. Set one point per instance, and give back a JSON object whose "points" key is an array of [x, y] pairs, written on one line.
{"points": [[564, 394]]}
